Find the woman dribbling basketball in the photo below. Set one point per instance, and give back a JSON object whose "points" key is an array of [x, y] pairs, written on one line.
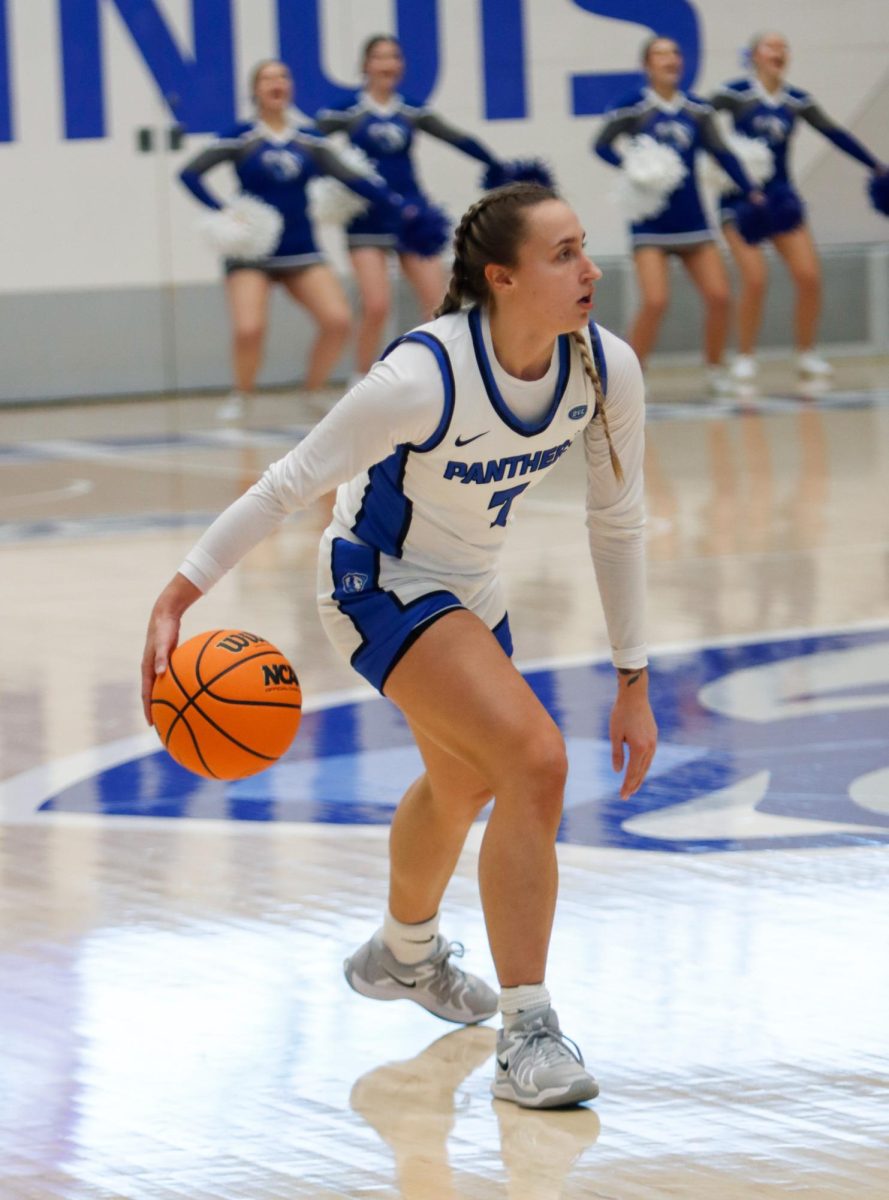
{"points": [[432, 451]]}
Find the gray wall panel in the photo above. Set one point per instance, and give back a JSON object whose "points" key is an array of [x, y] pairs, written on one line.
{"points": [[134, 341]]}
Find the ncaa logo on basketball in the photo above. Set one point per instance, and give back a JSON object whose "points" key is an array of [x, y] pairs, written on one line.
{"points": [[355, 581], [576, 414], [278, 675]]}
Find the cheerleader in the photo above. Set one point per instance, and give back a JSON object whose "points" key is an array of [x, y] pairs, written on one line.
{"points": [[671, 219], [381, 123], [764, 107], [274, 159]]}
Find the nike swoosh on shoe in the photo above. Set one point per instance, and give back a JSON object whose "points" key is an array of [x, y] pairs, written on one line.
{"points": [[403, 982]]}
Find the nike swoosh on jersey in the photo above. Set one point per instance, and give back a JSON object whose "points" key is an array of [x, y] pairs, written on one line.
{"points": [[465, 441]]}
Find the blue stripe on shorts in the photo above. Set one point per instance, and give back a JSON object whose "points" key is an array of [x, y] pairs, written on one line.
{"points": [[387, 627]]}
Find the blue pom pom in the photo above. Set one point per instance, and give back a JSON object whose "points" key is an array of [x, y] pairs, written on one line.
{"points": [[425, 230], [519, 170], [494, 176], [753, 221], [786, 211], [878, 188]]}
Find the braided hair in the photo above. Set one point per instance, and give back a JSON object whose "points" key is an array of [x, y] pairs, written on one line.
{"points": [[592, 375], [491, 231]]}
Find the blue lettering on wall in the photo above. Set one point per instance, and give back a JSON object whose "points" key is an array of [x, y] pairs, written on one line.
{"points": [[676, 19], [199, 91], [5, 94], [198, 87], [299, 33], [503, 42]]}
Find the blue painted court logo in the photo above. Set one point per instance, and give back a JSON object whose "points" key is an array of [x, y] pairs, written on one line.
{"points": [[772, 744]]}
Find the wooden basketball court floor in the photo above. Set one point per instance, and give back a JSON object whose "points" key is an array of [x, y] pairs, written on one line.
{"points": [[174, 1024]]}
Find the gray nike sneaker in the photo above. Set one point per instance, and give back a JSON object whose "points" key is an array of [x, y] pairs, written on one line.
{"points": [[436, 983], [538, 1067]]}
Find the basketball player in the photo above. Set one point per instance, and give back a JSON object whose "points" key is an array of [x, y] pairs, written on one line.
{"points": [[687, 124], [432, 451], [379, 120], [762, 105]]}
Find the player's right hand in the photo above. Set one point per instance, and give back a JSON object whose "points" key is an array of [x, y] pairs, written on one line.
{"points": [[162, 637]]}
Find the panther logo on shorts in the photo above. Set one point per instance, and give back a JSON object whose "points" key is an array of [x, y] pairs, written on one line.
{"points": [[355, 581]]}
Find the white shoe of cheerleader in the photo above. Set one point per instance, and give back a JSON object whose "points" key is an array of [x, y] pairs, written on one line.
{"points": [[744, 369], [811, 365], [232, 408]]}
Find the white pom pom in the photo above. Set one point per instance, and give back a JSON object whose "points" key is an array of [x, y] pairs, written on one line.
{"points": [[651, 172], [755, 156], [245, 228], [330, 201]]}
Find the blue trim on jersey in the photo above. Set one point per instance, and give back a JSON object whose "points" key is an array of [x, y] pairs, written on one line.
{"points": [[447, 376], [385, 513], [525, 428], [387, 627], [599, 357]]}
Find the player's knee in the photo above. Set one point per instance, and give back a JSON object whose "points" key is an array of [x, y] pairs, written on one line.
{"points": [[472, 801], [543, 763]]}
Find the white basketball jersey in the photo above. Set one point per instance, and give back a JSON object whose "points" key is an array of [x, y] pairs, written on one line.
{"points": [[445, 504]]}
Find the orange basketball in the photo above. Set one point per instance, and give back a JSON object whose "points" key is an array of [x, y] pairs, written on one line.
{"points": [[228, 705]]}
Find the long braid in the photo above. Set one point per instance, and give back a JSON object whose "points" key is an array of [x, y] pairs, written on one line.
{"points": [[589, 367], [457, 284]]}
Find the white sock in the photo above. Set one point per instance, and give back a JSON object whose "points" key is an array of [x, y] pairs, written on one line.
{"points": [[410, 943], [514, 1001]]}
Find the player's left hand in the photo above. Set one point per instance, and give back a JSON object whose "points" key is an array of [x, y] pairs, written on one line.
{"points": [[632, 725]]}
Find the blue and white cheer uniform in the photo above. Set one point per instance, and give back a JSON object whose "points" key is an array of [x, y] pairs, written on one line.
{"points": [[772, 118], [276, 168], [687, 124], [385, 132]]}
